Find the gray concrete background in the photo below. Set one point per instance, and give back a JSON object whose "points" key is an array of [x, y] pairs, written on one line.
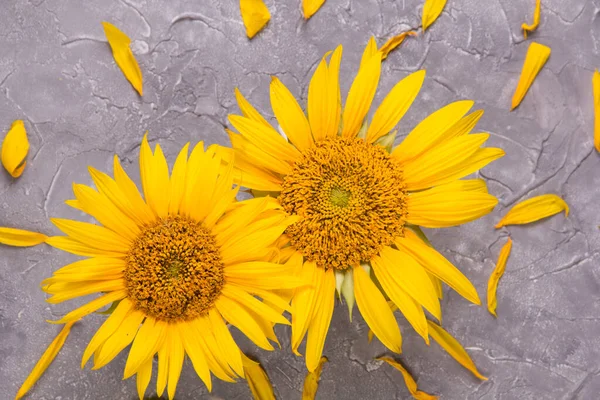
{"points": [[57, 73]]}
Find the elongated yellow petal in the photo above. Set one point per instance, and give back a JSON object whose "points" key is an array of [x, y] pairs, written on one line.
{"points": [[536, 19], [119, 340], [536, 57], [20, 237], [147, 341], [194, 351], [248, 110], [74, 247], [464, 126], [317, 331], [453, 348], [258, 380], [176, 357], [431, 11], [496, 275], [304, 303], [310, 7], [92, 306], [394, 42], [143, 378], [290, 116], [255, 15], [119, 43], [14, 149], [596, 91], [311, 382], [93, 235], [534, 209], [237, 316], [411, 385], [45, 360]]}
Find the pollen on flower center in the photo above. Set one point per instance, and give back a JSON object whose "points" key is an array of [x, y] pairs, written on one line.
{"points": [[174, 270], [352, 199]]}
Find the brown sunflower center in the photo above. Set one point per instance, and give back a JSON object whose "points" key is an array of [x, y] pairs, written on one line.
{"points": [[174, 270], [352, 200]]}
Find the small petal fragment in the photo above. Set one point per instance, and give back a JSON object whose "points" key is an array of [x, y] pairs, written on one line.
{"points": [[255, 15], [596, 89], [536, 57], [311, 382], [21, 238], [310, 7], [431, 11], [496, 275], [534, 209], [257, 379], [411, 385], [394, 42], [45, 361], [15, 148], [536, 19], [119, 43], [453, 348]]}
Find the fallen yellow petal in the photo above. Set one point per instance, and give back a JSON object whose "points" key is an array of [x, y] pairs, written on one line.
{"points": [[311, 382], [45, 360], [411, 385], [309, 7], [534, 209], [394, 42], [453, 348], [15, 148], [596, 89], [119, 43], [536, 19], [536, 57], [496, 275], [21, 238], [431, 11], [257, 379], [255, 15]]}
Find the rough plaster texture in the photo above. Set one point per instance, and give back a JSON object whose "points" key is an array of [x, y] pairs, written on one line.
{"points": [[57, 73]]}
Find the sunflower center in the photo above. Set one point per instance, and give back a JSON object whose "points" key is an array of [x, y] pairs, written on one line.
{"points": [[174, 270], [352, 199]]}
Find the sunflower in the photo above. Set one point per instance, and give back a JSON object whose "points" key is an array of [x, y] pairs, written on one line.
{"points": [[176, 267], [359, 200]]}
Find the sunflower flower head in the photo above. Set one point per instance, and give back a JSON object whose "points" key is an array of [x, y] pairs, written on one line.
{"points": [[359, 200]]}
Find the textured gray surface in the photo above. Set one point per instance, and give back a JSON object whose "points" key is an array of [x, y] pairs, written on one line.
{"points": [[57, 73]]}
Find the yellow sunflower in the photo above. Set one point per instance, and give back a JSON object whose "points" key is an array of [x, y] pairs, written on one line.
{"points": [[176, 267], [360, 201]]}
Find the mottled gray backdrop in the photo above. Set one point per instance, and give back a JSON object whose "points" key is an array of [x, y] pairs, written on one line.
{"points": [[57, 73]]}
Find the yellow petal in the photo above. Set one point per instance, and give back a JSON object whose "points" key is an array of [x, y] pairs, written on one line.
{"points": [[394, 42], [255, 15], [431, 11], [536, 57], [464, 126], [119, 43], [536, 19], [309, 7], [311, 382], [248, 110], [496, 275], [596, 90], [14, 149], [45, 360], [317, 331], [453, 348], [21, 238], [143, 378], [370, 51], [258, 380], [534, 209], [290, 116], [411, 385]]}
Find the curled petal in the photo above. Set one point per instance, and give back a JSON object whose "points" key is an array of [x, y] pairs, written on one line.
{"points": [[394, 42], [536, 19], [255, 15], [119, 43], [431, 11], [257, 379], [20, 238], [534, 209], [536, 57], [411, 385], [311, 382], [15, 148], [496, 275]]}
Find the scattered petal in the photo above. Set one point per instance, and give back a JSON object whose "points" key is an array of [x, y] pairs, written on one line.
{"points": [[536, 57], [310, 7], [496, 275], [119, 43], [596, 89], [257, 379], [534, 209], [311, 382], [411, 385], [44, 361], [394, 42], [255, 15], [14, 149], [453, 348], [431, 11], [536, 19], [21, 238]]}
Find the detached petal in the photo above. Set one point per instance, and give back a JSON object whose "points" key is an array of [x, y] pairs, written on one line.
{"points": [[119, 43], [534, 209], [15, 148], [596, 89], [309, 7], [257, 379], [536, 19], [536, 57], [394, 42], [311, 382], [496, 275], [431, 11], [411, 385], [21, 238], [255, 15]]}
